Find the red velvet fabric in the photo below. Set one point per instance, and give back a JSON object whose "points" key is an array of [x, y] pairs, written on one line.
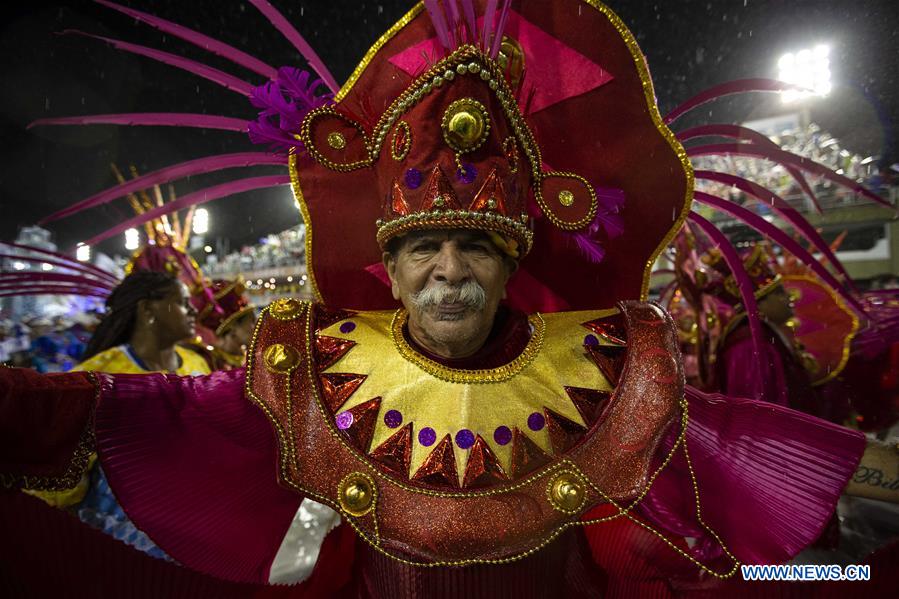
{"points": [[60, 405]]}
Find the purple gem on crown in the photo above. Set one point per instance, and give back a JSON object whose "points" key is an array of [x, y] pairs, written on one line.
{"points": [[344, 420], [467, 173], [413, 178]]}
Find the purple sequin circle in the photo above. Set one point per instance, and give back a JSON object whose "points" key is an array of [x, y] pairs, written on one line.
{"points": [[413, 178], [536, 421], [427, 436], [465, 438], [591, 341], [347, 327], [502, 435], [393, 418], [344, 420], [468, 174]]}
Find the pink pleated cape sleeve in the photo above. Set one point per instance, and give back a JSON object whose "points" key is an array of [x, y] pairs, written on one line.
{"points": [[769, 478], [194, 465]]}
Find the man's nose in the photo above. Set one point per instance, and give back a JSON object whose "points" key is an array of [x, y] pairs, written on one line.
{"points": [[451, 267]]}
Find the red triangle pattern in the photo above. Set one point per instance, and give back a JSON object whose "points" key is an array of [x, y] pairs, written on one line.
{"points": [[439, 187], [325, 317], [395, 453], [608, 329], [483, 469], [439, 468], [398, 204], [563, 433], [338, 387], [492, 189], [589, 402], [609, 359], [526, 455], [360, 432], [330, 349]]}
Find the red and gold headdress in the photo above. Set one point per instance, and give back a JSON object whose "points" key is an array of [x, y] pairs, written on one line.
{"points": [[717, 279], [227, 305], [545, 134]]}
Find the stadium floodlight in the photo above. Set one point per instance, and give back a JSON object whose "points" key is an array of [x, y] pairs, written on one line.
{"points": [[83, 253], [808, 68], [132, 239], [201, 221]]}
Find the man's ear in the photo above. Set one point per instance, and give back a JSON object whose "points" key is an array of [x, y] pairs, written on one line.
{"points": [[390, 266]]}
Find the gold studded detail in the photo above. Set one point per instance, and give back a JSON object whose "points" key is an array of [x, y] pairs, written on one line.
{"points": [[465, 125], [280, 358], [401, 142], [567, 492], [566, 198], [336, 140], [285, 308], [357, 494]]}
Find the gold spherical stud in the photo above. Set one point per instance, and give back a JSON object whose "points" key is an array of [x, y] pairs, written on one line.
{"points": [[356, 494], [465, 124], [280, 358], [566, 198], [336, 140], [285, 308], [567, 492]]}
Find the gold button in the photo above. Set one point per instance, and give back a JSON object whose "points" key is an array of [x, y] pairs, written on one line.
{"points": [[566, 198], [336, 140], [356, 494], [285, 308], [567, 493], [465, 124], [280, 358]]}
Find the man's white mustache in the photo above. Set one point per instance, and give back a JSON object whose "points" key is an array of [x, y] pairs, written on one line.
{"points": [[469, 293]]}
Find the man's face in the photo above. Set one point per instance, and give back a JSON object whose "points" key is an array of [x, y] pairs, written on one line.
{"points": [[451, 283]]}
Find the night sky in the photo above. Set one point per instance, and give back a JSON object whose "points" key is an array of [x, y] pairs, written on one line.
{"points": [[690, 45]]}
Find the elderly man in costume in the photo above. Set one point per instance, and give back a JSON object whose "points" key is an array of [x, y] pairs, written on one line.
{"points": [[465, 442]]}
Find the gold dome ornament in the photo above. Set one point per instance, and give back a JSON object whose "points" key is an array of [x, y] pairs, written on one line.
{"points": [[566, 198], [280, 358], [567, 492], [356, 494], [285, 308], [465, 125]]}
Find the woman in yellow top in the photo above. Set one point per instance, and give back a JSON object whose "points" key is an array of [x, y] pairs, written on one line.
{"points": [[146, 316]]}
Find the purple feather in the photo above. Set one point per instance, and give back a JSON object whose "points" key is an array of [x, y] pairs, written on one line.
{"points": [[784, 210], [216, 76], [265, 134], [739, 86], [97, 270], [440, 27], [198, 197], [166, 175], [152, 119], [471, 20], [744, 284], [489, 14], [294, 37], [782, 157], [500, 28], [771, 232], [739, 132], [198, 39]]}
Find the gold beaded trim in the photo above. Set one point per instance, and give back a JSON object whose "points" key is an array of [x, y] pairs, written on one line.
{"points": [[287, 453], [407, 143], [563, 224], [463, 219], [77, 465], [455, 375], [300, 201], [305, 136], [511, 147]]}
